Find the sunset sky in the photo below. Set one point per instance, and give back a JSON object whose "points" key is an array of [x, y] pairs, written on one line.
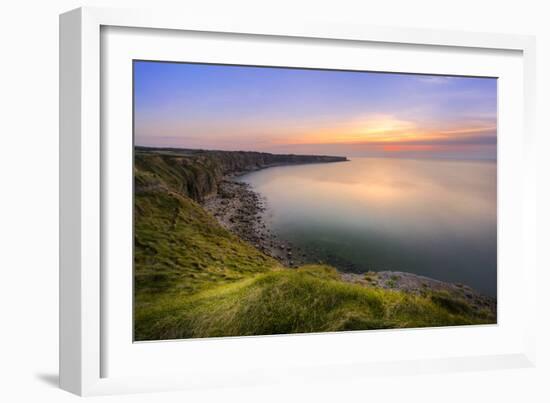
{"points": [[301, 111]]}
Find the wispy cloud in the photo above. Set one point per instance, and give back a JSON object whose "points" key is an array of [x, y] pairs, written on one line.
{"points": [[437, 80]]}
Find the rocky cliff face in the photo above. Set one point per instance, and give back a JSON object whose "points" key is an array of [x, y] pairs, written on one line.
{"points": [[197, 173]]}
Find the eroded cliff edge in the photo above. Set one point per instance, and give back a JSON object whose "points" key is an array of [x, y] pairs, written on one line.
{"points": [[197, 173]]}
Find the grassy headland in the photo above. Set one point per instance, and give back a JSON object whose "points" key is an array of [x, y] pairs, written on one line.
{"points": [[193, 278]]}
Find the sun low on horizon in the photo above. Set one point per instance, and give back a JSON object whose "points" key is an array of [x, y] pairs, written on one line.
{"points": [[314, 111]]}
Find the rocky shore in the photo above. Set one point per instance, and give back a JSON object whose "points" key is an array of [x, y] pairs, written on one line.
{"points": [[420, 285], [241, 211]]}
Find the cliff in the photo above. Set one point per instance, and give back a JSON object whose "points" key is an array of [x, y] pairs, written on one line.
{"points": [[197, 173], [194, 278]]}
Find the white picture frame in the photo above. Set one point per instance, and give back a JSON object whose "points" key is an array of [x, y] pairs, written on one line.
{"points": [[85, 344]]}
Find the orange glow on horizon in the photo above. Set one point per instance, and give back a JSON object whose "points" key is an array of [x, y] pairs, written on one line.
{"points": [[383, 130], [408, 147]]}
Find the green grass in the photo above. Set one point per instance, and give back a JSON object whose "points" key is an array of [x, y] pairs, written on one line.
{"points": [[309, 299], [179, 248], [195, 279]]}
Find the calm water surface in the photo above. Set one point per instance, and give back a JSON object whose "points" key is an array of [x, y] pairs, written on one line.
{"points": [[430, 217]]}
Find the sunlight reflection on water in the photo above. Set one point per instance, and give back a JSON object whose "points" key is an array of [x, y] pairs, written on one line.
{"points": [[430, 217]]}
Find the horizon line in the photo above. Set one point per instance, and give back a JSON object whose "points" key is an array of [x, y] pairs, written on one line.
{"points": [[405, 157]]}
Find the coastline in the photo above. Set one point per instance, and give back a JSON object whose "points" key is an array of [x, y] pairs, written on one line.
{"points": [[240, 209], [203, 264]]}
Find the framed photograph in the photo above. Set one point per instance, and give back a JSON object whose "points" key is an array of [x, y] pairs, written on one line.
{"points": [[246, 203]]}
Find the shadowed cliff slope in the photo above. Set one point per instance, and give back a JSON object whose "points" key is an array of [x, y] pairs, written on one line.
{"points": [[196, 173]]}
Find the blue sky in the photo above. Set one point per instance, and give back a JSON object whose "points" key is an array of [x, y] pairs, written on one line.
{"points": [[314, 111]]}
